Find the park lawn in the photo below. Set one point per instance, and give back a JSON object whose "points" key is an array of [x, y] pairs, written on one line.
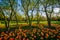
{"points": [[41, 22], [45, 22], [22, 22], [55, 22], [2, 26]]}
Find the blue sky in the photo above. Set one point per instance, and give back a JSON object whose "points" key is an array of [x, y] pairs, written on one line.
{"points": [[56, 10]]}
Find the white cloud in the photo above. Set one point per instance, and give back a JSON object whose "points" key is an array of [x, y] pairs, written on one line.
{"points": [[56, 10]]}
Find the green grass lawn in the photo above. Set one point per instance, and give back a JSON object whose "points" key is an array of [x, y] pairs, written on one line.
{"points": [[2, 25], [42, 22], [45, 22]]}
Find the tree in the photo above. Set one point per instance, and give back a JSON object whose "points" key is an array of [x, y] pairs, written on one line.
{"points": [[13, 5], [46, 4], [38, 11], [3, 7], [1, 16], [7, 7], [25, 5]]}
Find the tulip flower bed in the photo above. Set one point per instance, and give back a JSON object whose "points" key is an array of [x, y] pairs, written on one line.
{"points": [[31, 33]]}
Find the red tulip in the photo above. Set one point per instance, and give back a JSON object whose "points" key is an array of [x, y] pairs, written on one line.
{"points": [[11, 39], [58, 37], [0, 38], [46, 35]]}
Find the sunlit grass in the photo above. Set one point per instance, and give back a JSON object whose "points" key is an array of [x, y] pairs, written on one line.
{"points": [[2, 25]]}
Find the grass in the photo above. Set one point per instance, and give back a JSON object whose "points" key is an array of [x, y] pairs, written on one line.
{"points": [[55, 22], [14, 23], [29, 27], [45, 22]]}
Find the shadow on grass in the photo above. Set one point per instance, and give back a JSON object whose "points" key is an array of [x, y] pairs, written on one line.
{"points": [[29, 27], [10, 29], [52, 27], [24, 27]]}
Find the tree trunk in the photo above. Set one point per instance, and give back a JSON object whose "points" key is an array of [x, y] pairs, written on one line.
{"points": [[28, 18], [16, 20], [4, 19], [48, 19], [8, 25], [37, 17], [49, 22], [31, 17], [29, 21]]}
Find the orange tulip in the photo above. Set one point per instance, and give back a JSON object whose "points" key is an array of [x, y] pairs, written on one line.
{"points": [[25, 30], [20, 30], [11, 39], [46, 35], [34, 36], [27, 39], [58, 37], [17, 37], [2, 33], [24, 34], [23, 38], [5, 38], [0, 38], [34, 30]]}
